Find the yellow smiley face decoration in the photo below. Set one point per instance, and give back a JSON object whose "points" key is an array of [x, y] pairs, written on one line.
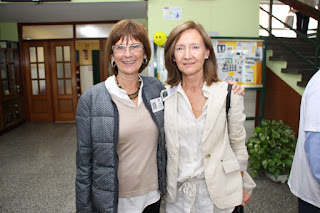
{"points": [[159, 38]]}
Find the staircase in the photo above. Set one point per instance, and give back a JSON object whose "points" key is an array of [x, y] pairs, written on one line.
{"points": [[295, 64]]}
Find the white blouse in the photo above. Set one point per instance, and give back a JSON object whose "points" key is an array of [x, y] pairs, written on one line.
{"points": [[193, 192], [190, 132]]}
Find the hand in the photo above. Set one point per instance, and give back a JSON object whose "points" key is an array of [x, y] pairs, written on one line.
{"points": [[246, 197], [236, 87]]}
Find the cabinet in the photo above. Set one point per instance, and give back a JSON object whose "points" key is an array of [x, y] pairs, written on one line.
{"points": [[11, 97]]}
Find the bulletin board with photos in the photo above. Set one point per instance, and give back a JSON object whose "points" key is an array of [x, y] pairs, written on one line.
{"points": [[239, 60]]}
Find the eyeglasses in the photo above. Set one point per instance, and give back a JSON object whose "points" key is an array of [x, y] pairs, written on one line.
{"points": [[122, 48]]}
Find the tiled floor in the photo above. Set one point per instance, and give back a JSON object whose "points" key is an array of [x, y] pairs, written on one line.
{"points": [[37, 168], [37, 173]]}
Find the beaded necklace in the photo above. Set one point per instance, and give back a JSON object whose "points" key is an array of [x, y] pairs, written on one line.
{"points": [[133, 95]]}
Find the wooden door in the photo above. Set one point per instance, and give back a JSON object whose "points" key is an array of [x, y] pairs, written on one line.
{"points": [[38, 75], [64, 83], [50, 79]]}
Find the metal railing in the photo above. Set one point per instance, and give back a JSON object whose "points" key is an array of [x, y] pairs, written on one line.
{"points": [[313, 42]]}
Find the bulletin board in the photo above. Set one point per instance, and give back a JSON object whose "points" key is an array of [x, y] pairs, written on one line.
{"points": [[239, 60]]}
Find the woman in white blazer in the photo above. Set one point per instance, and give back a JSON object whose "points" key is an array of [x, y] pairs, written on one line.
{"points": [[206, 158]]}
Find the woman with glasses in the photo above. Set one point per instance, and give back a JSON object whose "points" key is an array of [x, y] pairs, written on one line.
{"points": [[121, 149], [206, 152], [121, 157]]}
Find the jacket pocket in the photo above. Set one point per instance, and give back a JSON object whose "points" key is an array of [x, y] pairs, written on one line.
{"points": [[230, 165]]}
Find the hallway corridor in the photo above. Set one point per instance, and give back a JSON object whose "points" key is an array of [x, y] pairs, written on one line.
{"points": [[37, 173]]}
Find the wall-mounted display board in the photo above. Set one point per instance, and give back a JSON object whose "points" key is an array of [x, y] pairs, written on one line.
{"points": [[239, 60]]}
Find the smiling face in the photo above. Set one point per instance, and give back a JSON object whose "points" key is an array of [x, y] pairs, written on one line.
{"points": [[128, 62], [190, 53], [159, 38]]}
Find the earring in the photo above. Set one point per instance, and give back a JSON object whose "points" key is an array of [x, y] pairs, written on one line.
{"points": [[207, 57], [113, 63], [173, 60], [145, 61]]}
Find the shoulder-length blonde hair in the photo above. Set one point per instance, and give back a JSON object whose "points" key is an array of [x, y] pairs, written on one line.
{"points": [[210, 65], [126, 29]]}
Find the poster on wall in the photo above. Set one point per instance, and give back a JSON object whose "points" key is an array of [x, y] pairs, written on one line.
{"points": [[239, 60], [172, 13]]}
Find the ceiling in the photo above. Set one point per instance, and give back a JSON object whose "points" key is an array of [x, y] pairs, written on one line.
{"points": [[72, 12]]}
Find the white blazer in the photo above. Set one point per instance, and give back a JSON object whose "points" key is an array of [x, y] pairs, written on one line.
{"points": [[221, 151]]}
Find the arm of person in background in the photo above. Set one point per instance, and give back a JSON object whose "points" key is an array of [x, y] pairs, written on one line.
{"points": [[312, 148], [236, 88]]}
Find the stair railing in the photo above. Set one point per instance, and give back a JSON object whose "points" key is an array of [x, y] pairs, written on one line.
{"points": [[315, 43]]}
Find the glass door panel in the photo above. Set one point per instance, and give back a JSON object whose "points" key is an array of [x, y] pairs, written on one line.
{"points": [[61, 87], [58, 53], [35, 87], [68, 87], [3, 55], [4, 72], [40, 53], [10, 55], [66, 53], [42, 70], [60, 73], [67, 68], [38, 71], [5, 79], [32, 53], [12, 79], [63, 67]]}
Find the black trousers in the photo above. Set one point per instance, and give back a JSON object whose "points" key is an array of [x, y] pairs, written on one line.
{"points": [[238, 209], [302, 22], [153, 208], [304, 207]]}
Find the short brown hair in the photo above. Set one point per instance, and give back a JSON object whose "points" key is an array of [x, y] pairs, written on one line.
{"points": [[210, 64], [126, 29]]}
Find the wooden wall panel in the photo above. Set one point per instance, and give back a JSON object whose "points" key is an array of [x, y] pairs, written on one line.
{"points": [[281, 101]]}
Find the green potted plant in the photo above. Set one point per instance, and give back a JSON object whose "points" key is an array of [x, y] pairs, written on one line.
{"points": [[271, 149]]}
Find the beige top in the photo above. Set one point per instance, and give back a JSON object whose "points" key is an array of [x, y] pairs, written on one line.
{"points": [[137, 148]]}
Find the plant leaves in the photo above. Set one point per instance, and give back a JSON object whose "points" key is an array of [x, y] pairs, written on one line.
{"points": [[271, 148]]}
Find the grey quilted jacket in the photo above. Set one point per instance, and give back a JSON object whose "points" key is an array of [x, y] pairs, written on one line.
{"points": [[97, 137]]}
